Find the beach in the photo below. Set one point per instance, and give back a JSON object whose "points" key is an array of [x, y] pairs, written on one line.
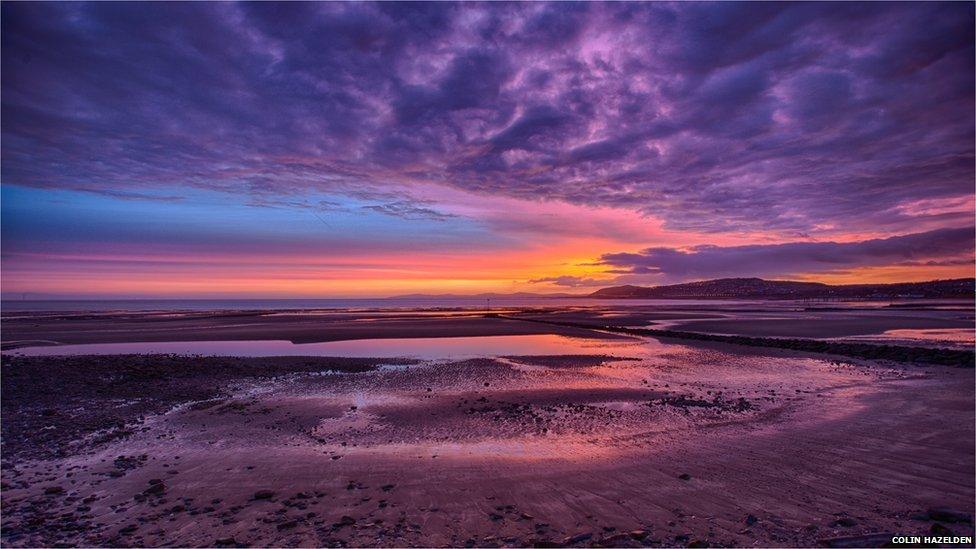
{"points": [[595, 439]]}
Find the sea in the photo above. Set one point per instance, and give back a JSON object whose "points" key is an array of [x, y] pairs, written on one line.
{"points": [[474, 303], [8, 306]]}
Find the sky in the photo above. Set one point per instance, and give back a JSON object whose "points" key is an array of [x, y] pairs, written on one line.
{"points": [[374, 149]]}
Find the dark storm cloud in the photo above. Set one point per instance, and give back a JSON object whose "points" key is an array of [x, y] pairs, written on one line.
{"points": [[938, 247], [729, 116]]}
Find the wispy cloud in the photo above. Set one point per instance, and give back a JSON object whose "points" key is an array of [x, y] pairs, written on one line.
{"points": [[407, 209], [570, 281]]}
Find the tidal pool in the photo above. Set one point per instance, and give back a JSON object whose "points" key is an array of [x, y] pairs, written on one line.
{"points": [[421, 347]]}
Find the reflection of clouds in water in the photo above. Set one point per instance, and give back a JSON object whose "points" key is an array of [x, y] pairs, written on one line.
{"points": [[420, 347]]}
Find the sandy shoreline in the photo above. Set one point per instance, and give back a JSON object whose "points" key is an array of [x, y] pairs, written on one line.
{"points": [[658, 443], [46, 328]]}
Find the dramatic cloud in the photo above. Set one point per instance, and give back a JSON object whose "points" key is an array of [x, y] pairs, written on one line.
{"points": [[787, 117], [371, 148], [933, 248]]}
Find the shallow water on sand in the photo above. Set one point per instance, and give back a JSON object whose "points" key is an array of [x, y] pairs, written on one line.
{"points": [[421, 347], [951, 338]]}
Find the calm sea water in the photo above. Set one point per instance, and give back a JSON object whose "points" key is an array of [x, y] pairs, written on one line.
{"points": [[294, 304], [8, 306]]}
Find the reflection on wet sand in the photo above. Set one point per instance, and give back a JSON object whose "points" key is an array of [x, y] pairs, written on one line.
{"points": [[421, 347], [514, 440]]}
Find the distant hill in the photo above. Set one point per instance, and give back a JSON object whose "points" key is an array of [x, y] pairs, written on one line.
{"points": [[757, 288], [517, 295]]}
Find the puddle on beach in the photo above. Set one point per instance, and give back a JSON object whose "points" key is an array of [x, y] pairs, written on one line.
{"points": [[422, 348], [953, 338]]}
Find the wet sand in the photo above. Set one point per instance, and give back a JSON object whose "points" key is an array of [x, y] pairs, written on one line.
{"points": [[635, 442], [685, 446], [828, 327], [773, 319], [21, 329]]}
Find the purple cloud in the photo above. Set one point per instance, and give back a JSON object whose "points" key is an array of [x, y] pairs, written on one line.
{"points": [[789, 117], [938, 247], [570, 281]]}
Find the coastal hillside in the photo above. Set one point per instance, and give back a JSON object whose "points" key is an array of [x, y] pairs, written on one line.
{"points": [[787, 289]]}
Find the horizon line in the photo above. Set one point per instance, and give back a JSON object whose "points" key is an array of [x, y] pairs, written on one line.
{"points": [[26, 296]]}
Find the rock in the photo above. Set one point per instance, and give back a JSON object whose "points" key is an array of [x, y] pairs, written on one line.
{"points": [[699, 543], [526, 516], [846, 522], [638, 534], [155, 489], [684, 476], [578, 538], [346, 520], [225, 542], [545, 543], [946, 514], [263, 494], [751, 519], [53, 490], [177, 509], [387, 487], [495, 516], [155, 481], [939, 530], [287, 525], [128, 529]]}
